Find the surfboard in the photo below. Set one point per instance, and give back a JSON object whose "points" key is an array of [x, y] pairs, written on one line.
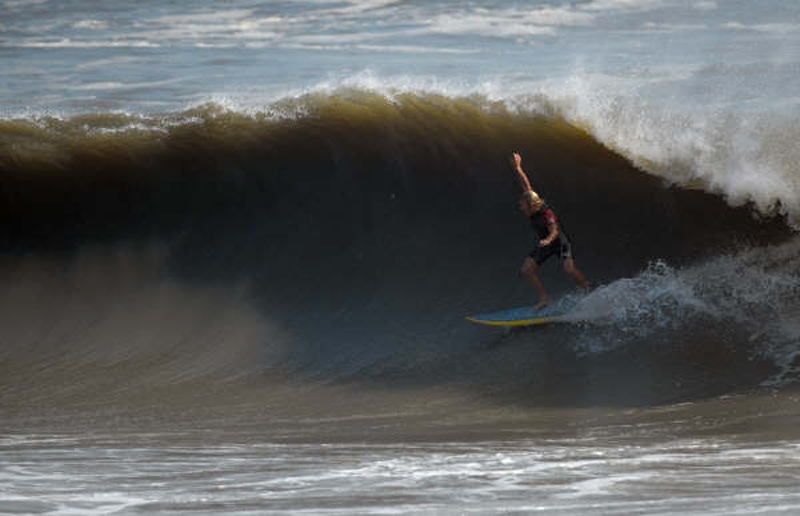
{"points": [[525, 316]]}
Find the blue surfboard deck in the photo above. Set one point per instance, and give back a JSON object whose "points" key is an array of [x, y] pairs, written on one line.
{"points": [[525, 316]]}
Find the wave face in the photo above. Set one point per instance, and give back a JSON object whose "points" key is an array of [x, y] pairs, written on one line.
{"points": [[342, 237]]}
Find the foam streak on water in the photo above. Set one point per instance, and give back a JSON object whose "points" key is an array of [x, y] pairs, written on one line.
{"points": [[101, 474]]}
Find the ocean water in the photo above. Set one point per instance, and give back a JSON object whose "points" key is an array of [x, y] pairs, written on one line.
{"points": [[238, 241]]}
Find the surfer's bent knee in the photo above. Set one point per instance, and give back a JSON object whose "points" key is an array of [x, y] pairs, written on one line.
{"points": [[529, 266]]}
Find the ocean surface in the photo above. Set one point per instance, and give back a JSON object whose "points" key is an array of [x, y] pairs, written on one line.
{"points": [[239, 240]]}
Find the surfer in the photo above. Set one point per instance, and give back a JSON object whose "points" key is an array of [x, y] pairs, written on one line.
{"points": [[551, 237]]}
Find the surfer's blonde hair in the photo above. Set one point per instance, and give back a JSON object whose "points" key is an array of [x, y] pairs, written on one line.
{"points": [[532, 198]]}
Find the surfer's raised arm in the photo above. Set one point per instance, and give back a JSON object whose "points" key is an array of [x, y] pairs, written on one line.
{"points": [[516, 164]]}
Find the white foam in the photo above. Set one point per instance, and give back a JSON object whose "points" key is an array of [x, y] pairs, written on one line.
{"points": [[647, 303], [756, 288], [622, 5], [16, 4], [72, 43], [674, 27], [211, 17], [509, 22], [353, 7], [705, 5], [91, 24], [394, 49], [573, 475], [779, 28], [114, 85], [537, 21], [746, 157]]}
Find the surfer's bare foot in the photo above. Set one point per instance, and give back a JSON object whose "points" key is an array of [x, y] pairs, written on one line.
{"points": [[544, 302]]}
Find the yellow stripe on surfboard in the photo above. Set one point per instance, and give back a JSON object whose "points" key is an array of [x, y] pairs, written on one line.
{"points": [[519, 322]]}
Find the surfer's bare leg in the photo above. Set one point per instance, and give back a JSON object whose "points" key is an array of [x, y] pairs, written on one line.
{"points": [[528, 270], [576, 274]]}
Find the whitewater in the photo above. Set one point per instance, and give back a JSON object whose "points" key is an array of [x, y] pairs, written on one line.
{"points": [[238, 242]]}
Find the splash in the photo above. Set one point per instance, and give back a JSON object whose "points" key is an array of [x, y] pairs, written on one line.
{"points": [[752, 297]]}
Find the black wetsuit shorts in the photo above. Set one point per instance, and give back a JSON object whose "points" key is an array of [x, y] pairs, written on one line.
{"points": [[560, 246]]}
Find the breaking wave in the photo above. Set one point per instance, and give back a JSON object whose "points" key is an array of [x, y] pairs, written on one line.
{"points": [[341, 237]]}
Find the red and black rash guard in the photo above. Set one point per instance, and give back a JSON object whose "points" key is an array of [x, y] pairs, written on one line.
{"points": [[543, 220]]}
